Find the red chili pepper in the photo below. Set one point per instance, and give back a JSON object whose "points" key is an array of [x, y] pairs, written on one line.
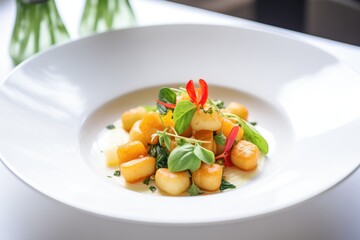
{"points": [[228, 144], [198, 100], [168, 105], [190, 89], [204, 92]]}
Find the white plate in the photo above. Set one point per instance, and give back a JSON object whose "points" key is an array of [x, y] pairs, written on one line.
{"points": [[53, 107]]}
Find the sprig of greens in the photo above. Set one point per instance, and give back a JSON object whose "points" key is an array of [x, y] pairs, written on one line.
{"points": [[250, 133], [164, 138]]}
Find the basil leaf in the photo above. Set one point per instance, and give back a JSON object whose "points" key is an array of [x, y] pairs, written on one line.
{"points": [[252, 135], [165, 95], [204, 155], [194, 190], [183, 113], [183, 158], [220, 139], [226, 185]]}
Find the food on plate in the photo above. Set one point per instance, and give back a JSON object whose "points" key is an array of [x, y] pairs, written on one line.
{"points": [[185, 144]]}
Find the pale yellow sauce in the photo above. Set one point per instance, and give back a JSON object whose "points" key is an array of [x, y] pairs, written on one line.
{"points": [[119, 136]]}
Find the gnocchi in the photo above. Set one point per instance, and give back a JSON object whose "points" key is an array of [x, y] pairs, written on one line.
{"points": [[186, 145]]}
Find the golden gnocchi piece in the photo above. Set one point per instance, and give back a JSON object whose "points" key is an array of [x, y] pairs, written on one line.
{"points": [[188, 132], [237, 109], [131, 116], [138, 169], [245, 155], [130, 151], [206, 135], [172, 183], [150, 124], [226, 127], [136, 135], [205, 121], [208, 177]]}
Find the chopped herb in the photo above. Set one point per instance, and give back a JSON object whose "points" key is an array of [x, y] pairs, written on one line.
{"points": [[218, 103], [117, 173], [220, 139], [152, 188], [253, 123], [110, 126], [194, 190], [146, 181], [209, 111], [109, 176], [226, 185]]}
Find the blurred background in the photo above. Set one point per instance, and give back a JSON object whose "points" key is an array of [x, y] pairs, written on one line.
{"points": [[333, 19]]}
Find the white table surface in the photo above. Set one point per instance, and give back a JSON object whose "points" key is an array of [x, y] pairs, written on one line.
{"points": [[27, 214]]}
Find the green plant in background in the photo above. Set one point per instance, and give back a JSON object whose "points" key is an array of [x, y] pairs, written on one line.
{"points": [[37, 26], [103, 15]]}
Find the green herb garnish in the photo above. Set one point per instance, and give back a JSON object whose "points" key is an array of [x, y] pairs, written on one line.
{"points": [[160, 154], [117, 173], [183, 113], [146, 181], [164, 138], [189, 157], [218, 103], [110, 126], [194, 190], [152, 188], [226, 185], [220, 139]]}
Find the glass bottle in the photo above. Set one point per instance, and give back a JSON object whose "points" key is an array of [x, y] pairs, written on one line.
{"points": [[37, 26], [103, 15]]}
